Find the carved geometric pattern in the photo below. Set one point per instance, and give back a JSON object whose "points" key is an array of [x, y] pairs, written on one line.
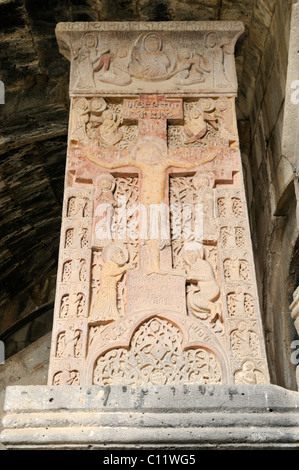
{"points": [[156, 356]]}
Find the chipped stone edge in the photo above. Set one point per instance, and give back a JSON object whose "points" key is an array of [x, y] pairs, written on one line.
{"points": [[185, 416]]}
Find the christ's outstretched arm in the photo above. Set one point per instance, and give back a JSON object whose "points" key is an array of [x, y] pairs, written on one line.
{"points": [[177, 163], [122, 162]]}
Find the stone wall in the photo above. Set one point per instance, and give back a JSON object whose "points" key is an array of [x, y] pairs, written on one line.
{"points": [[270, 181]]}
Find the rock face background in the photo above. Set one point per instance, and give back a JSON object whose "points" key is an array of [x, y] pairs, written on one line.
{"points": [[33, 134]]}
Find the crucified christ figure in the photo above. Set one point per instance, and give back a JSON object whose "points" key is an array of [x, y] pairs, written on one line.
{"points": [[150, 156]]}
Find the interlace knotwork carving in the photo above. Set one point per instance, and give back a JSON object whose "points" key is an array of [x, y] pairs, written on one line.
{"points": [[156, 356]]}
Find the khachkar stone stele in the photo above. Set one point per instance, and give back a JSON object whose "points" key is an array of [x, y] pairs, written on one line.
{"points": [[156, 282]]}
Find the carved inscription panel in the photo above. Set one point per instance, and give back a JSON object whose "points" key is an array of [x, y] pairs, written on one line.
{"points": [[156, 282]]}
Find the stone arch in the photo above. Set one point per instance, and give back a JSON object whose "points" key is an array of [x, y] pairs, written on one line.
{"points": [[172, 350], [279, 279]]}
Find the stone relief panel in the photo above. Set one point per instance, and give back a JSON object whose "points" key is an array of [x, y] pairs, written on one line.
{"points": [[196, 58], [217, 264], [207, 121], [101, 122], [155, 282], [109, 269], [166, 363]]}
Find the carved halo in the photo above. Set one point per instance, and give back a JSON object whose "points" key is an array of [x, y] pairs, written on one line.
{"points": [[87, 36], [199, 177], [97, 105], [108, 250], [107, 178], [149, 38]]}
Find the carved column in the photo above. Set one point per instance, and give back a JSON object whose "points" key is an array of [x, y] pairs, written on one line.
{"points": [[156, 282], [157, 338]]}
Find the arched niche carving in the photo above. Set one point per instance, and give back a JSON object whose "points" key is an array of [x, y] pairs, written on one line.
{"points": [[159, 348]]}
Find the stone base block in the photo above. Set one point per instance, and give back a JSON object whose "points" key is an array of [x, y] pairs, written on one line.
{"points": [[161, 417]]}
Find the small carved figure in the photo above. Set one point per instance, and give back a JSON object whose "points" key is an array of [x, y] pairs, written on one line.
{"points": [[66, 376], [80, 120], [84, 238], [196, 124], [191, 68], [248, 374], [64, 306], [149, 61], [67, 343], [235, 302], [109, 132], [78, 206], [112, 68], [79, 303], [203, 184], [86, 58], [105, 204], [215, 51], [240, 340], [96, 105], [203, 289], [104, 305], [228, 236], [225, 119], [82, 270], [235, 269]]}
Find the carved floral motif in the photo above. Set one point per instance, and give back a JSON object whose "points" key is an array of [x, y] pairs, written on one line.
{"points": [[160, 343]]}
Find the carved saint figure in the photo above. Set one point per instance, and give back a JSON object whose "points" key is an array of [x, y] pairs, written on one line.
{"points": [[105, 204], [109, 132], [67, 343], [229, 237], [232, 268], [86, 58], [225, 121], [196, 126], [235, 302], [104, 305], [248, 375], [241, 340], [215, 51], [203, 184], [80, 120], [191, 67], [203, 289], [149, 61]]}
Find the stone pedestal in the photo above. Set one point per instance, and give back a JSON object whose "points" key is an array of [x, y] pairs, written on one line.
{"points": [[161, 417]]}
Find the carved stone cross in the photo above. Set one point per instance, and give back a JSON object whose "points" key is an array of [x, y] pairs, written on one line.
{"points": [[153, 124], [152, 113]]}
